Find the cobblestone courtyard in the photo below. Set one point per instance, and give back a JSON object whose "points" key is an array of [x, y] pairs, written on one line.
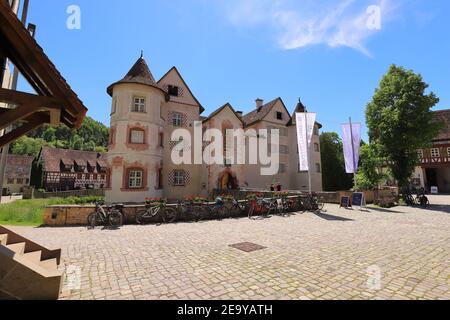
{"points": [[329, 256]]}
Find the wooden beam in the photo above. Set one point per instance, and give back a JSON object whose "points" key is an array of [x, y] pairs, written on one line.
{"points": [[34, 121], [23, 98], [13, 115]]}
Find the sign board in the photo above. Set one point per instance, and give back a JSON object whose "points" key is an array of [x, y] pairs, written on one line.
{"points": [[345, 202], [358, 200], [434, 190]]}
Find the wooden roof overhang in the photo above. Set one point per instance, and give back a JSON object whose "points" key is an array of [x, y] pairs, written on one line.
{"points": [[54, 101]]}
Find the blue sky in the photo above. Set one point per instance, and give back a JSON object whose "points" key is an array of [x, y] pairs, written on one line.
{"points": [[238, 50]]}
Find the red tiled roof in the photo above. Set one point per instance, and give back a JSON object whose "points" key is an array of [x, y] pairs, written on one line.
{"points": [[443, 116], [52, 158], [259, 114]]}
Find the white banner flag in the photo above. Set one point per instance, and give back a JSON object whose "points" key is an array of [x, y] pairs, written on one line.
{"points": [[305, 130]]}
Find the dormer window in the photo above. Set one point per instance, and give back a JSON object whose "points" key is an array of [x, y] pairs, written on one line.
{"points": [[138, 105], [279, 115], [173, 90]]}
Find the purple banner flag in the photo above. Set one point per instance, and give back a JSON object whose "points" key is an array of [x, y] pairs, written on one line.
{"points": [[352, 146]]}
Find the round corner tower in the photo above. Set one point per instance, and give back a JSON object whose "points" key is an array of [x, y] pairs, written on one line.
{"points": [[135, 154]]}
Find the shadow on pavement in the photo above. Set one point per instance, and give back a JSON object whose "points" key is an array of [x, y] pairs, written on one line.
{"points": [[330, 217]]}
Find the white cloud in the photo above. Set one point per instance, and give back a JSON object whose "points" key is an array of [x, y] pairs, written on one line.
{"points": [[302, 23]]}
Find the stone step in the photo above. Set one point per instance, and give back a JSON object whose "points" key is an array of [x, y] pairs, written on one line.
{"points": [[34, 257], [51, 264], [18, 248]]}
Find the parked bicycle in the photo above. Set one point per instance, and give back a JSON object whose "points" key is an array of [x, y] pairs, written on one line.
{"points": [[152, 210], [235, 208], [312, 203], [106, 215], [421, 199], [216, 210], [262, 207]]}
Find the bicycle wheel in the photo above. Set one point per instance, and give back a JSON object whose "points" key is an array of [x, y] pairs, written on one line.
{"points": [[170, 215], [320, 205], [115, 219], [141, 216], [197, 212], [93, 220]]}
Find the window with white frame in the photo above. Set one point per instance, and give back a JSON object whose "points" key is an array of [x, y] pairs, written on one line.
{"points": [[137, 136], [177, 119], [420, 153], [435, 153], [179, 178], [135, 179], [138, 105]]}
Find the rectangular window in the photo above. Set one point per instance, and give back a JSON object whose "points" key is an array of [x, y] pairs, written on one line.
{"points": [[161, 140], [177, 119], [135, 179], [95, 176], [137, 137], [19, 181], [279, 115], [159, 179], [138, 105], [10, 181], [448, 152], [316, 131], [435, 153], [316, 147], [282, 168], [112, 137], [179, 178], [114, 105], [173, 90], [79, 176]]}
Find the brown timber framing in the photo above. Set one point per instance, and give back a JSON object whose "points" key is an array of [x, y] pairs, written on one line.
{"points": [[54, 101]]}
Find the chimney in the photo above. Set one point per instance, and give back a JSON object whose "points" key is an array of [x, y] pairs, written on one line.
{"points": [[259, 103], [239, 114]]}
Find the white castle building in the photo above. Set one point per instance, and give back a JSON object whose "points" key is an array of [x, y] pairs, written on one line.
{"points": [[144, 114]]}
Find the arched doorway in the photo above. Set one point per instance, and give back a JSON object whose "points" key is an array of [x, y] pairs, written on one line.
{"points": [[227, 180]]}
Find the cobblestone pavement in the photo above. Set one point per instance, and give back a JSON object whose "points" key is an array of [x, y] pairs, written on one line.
{"points": [[335, 255]]}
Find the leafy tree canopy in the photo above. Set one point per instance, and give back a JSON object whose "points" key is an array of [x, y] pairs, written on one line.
{"points": [[400, 120], [333, 165], [92, 136]]}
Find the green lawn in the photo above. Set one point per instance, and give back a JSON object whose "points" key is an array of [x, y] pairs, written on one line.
{"points": [[30, 212]]}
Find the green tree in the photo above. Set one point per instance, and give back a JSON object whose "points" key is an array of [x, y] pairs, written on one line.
{"points": [[399, 119], [28, 146], [333, 165], [370, 172]]}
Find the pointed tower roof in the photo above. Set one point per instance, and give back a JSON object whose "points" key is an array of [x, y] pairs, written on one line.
{"points": [[300, 106], [140, 74]]}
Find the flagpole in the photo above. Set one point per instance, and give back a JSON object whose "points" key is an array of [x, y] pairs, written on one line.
{"points": [[353, 151], [308, 153]]}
